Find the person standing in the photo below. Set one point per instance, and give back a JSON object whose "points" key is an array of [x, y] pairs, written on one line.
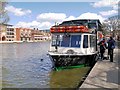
{"points": [[111, 46], [103, 47]]}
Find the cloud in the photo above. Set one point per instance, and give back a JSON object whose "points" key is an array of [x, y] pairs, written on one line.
{"points": [[70, 18], [34, 24], [105, 3], [108, 13], [17, 11], [52, 17], [46, 23], [89, 15], [115, 7], [44, 20]]}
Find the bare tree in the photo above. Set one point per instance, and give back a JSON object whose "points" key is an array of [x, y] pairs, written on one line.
{"points": [[105, 28], [4, 18]]}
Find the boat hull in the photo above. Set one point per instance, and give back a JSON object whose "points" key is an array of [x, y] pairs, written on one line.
{"points": [[73, 60]]}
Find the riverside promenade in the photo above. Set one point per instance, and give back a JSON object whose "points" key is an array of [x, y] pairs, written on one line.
{"points": [[105, 74]]}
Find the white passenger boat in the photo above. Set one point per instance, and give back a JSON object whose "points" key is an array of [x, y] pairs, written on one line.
{"points": [[74, 42]]}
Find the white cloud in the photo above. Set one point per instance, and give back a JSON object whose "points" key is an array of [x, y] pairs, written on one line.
{"points": [[108, 13], [70, 18], [48, 22], [89, 15], [105, 3], [44, 21], [34, 24], [45, 25], [115, 7], [17, 11], [52, 17]]}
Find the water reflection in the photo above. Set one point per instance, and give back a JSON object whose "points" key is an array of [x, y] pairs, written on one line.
{"points": [[22, 66]]}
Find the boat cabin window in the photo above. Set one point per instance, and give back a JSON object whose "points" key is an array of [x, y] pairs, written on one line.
{"points": [[85, 41], [75, 40], [92, 25], [92, 41], [71, 41], [55, 40], [66, 40]]}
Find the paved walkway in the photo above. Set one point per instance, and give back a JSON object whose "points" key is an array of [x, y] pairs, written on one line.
{"points": [[104, 74]]}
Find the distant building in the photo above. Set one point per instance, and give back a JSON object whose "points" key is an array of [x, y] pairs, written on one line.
{"points": [[36, 35], [11, 34], [23, 34], [6, 34], [39, 35]]}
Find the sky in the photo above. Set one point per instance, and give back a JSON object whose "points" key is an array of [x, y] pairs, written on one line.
{"points": [[43, 15]]}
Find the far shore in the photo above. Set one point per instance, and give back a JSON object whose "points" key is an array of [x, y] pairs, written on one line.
{"points": [[7, 42]]}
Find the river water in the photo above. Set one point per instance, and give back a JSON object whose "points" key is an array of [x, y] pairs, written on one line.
{"points": [[22, 67]]}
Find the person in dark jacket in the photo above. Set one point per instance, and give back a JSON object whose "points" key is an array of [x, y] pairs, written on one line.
{"points": [[103, 47], [111, 46]]}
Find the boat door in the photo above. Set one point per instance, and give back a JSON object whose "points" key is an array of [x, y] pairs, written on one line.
{"points": [[85, 41], [85, 44]]}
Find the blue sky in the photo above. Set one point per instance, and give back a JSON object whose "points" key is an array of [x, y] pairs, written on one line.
{"points": [[43, 15]]}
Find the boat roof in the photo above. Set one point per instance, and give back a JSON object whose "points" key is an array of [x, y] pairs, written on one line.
{"points": [[80, 22]]}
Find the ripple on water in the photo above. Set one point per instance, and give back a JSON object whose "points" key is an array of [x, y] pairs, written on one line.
{"points": [[22, 68]]}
